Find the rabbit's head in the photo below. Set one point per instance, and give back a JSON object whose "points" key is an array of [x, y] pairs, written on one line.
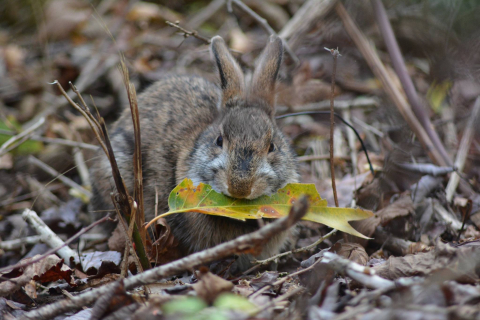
{"points": [[243, 154]]}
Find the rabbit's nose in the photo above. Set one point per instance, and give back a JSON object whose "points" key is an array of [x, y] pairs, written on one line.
{"points": [[239, 189]]}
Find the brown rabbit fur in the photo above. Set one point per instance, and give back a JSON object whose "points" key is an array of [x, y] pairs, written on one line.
{"points": [[225, 136]]}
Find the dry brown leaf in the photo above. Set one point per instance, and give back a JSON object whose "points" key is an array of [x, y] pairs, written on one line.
{"points": [[49, 269], [267, 278], [352, 251], [449, 262], [31, 289], [211, 286], [400, 208]]}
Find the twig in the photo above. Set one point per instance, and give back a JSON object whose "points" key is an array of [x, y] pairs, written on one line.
{"points": [[388, 84], [138, 206], [81, 166], [48, 236], [359, 273], [52, 251], [100, 130], [187, 33], [321, 157], [263, 22], [351, 143], [240, 244], [343, 121], [335, 55], [45, 189], [357, 103], [402, 73], [206, 13], [302, 249], [272, 303], [282, 280], [86, 114], [69, 182], [309, 14], [18, 243], [21, 137], [463, 149], [54, 140]]}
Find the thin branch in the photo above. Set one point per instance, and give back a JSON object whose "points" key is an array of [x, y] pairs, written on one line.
{"points": [[263, 22], [462, 151], [402, 73], [282, 280], [359, 273], [18, 243], [48, 236], [64, 142], [343, 121], [69, 182], [187, 33], [54, 250], [241, 244], [388, 84], [18, 139], [321, 157], [302, 249], [335, 55]]}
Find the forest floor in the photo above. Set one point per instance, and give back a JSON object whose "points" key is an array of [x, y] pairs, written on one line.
{"points": [[407, 79]]}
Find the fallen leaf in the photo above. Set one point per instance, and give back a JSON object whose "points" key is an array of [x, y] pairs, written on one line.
{"points": [[49, 269], [202, 198], [211, 286], [267, 278], [352, 251]]}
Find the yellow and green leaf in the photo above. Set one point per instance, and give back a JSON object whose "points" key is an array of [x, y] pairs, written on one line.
{"points": [[203, 199]]}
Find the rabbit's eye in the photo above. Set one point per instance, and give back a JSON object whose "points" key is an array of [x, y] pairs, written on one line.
{"points": [[219, 141], [272, 148]]}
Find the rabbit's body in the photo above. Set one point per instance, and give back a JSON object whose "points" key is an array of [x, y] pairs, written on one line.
{"points": [[222, 136]]}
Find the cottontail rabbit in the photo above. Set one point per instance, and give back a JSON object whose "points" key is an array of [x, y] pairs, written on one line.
{"points": [[224, 135]]}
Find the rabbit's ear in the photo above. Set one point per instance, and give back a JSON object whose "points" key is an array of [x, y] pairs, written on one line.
{"points": [[231, 75], [265, 74]]}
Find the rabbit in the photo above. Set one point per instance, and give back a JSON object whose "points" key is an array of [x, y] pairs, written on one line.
{"points": [[224, 135]]}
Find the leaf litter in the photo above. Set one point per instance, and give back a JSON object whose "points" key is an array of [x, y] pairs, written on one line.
{"points": [[424, 240]]}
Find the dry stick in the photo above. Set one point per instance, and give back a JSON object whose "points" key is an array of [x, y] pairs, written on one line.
{"points": [[335, 55], [127, 232], [322, 157], [206, 13], [137, 154], [272, 303], [86, 114], [187, 33], [302, 249], [357, 272], [463, 149], [52, 251], [48, 236], [364, 103], [18, 243], [309, 14], [282, 280], [21, 137], [69, 182], [81, 166], [402, 73], [388, 83], [100, 130], [64, 142], [241, 244], [263, 22], [139, 234]]}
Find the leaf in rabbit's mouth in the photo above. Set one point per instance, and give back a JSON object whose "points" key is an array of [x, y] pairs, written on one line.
{"points": [[203, 199]]}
